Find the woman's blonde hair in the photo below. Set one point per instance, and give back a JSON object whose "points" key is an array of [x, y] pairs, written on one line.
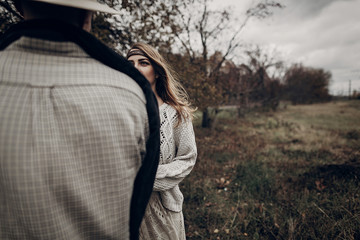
{"points": [[168, 86]]}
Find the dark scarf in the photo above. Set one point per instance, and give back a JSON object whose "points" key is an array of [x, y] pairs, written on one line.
{"points": [[60, 31]]}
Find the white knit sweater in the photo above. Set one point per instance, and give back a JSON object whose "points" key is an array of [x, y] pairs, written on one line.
{"points": [[177, 157]]}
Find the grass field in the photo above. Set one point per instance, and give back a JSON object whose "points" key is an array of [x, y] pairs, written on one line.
{"points": [[290, 174]]}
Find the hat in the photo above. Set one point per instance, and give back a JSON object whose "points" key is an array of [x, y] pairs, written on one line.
{"points": [[91, 5]]}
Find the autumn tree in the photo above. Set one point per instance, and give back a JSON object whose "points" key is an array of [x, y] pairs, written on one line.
{"points": [[260, 80], [229, 78], [187, 73], [201, 33], [304, 85], [254, 82], [150, 21]]}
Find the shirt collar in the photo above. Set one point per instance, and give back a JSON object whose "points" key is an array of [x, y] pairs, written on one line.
{"points": [[42, 46]]}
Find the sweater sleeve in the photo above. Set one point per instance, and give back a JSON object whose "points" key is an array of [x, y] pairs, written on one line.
{"points": [[171, 174]]}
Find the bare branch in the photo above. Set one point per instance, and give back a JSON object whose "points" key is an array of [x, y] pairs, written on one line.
{"points": [[186, 23], [218, 27], [203, 35]]}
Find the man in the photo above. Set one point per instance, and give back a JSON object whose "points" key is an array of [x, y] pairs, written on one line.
{"points": [[79, 129]]}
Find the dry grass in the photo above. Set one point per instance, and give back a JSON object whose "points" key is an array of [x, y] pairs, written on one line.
{"points": [[293, 174]]}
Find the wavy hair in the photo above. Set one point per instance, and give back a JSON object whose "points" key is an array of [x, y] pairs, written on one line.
{"points": [[167, 86]]}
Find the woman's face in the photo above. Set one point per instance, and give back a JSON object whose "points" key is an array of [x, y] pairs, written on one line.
{"points": [[143, 64]]}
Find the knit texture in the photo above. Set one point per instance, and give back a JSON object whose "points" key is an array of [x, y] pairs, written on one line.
{"points": [[178, 154], [163, 218]]}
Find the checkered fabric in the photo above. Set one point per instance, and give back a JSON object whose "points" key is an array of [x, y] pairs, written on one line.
{"points": [[72, 136]]}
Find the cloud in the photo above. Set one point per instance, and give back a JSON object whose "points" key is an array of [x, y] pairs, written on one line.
{"points": [[309, 8], [318, 33], [321, 33]]}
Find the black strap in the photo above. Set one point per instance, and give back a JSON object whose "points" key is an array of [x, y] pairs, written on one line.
{"points": [[60, 31]]}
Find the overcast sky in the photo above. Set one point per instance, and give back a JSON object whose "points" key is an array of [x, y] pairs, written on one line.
{"points": [[318, 33]]}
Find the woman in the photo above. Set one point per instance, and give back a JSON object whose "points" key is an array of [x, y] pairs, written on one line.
{"points": [[163, 217]]}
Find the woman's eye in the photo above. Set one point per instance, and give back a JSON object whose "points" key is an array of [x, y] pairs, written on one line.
{"points": [[144, 63]]}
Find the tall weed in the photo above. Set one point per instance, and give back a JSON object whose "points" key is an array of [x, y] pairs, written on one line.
{"points": [[287, 175]]}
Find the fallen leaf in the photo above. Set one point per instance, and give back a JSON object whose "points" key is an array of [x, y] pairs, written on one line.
{"points": [[208, 204], [319, 184]]}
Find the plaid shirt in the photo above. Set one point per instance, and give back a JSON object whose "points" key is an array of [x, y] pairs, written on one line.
{"points": [[72, 136]]}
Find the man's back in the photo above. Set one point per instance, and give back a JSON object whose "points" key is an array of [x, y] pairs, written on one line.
{"points": [[72, 134]]}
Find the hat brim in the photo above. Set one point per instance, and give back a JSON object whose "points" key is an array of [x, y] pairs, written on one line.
{"points": [[82, 4]]}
